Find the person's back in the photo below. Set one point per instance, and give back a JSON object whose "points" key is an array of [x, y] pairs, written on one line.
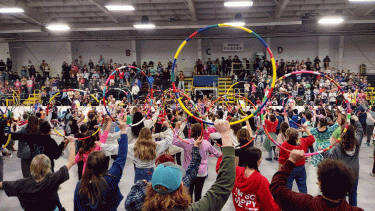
{"points": [[38, 195]]}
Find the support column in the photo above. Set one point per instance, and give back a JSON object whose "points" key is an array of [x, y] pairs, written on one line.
{"points": [[341, 52], [4, 51], [134, 52], [199, 43]]}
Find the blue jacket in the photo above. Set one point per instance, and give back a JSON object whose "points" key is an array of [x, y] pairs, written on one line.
{"points": [[293, 121], [111, 195]]}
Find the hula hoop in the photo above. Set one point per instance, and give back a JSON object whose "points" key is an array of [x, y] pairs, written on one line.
{"points": [[238, 27], [70, 90], [6, 144], [348, 116], [104, 92]]}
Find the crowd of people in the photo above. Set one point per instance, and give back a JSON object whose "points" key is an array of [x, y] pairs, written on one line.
{"points": [[163, 180]]}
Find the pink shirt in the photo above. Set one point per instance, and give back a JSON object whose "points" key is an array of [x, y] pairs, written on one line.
{"points": [[204, 149], [84, 157]]}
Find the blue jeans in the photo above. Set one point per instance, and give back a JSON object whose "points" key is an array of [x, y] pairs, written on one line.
{"points": [[353, 195], [143, 174], [298, 174]]}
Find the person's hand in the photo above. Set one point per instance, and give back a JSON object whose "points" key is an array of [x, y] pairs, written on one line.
{"points": [[98, 143], [165, 123], [198, 142], [178, 125], [296, 155], [305, 128], [222, 126], [108, 118], [320, 148], [71, 139], [355, 118], [122, 126]]}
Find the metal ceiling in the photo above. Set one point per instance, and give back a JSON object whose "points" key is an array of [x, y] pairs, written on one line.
{"points": [[89, 18]]}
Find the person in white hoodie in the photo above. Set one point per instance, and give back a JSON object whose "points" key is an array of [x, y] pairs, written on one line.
{"points": [[135, 91]]}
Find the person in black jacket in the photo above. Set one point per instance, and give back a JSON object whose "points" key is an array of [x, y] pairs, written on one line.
{"points": [[42, 143]]}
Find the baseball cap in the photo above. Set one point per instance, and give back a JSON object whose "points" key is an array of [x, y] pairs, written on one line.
{"points": [[168, 175]]}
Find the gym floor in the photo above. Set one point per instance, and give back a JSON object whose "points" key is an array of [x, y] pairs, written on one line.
{"points": [[12, 171]]}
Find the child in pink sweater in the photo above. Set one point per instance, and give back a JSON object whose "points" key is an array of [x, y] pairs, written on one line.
{"points": [[89, 144]]}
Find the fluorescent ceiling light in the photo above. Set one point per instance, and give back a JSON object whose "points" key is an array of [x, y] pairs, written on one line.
{"points": [[331, 20], [120, 7], [144, 26], [58, 27], [236, 23], [362, 0], [238, 4], [11, 10]]}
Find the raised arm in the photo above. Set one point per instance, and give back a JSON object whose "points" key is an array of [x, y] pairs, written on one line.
{"points": [[72, 153], [118, 166], [218, 194], [284, 197]]}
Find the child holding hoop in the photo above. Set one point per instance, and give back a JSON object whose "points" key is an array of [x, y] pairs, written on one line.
{"points": [[299, 173]]}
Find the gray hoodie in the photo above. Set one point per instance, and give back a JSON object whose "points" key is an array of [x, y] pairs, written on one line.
{"points": [[351, 158]]}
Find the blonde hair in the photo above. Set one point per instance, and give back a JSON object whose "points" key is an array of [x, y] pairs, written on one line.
{"points": [[40, 167], [180, 199], [145, 147]]}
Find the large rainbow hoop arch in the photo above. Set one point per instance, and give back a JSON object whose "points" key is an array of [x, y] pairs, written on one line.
{"points": [[265, 99]]}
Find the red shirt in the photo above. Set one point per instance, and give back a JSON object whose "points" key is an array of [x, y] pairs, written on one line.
{"points": [[121, 75], [112, 77], [271, 126], [305, 143], [252, 193]]}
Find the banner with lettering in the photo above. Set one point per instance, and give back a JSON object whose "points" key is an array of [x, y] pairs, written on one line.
{"points": [[233, 46]]}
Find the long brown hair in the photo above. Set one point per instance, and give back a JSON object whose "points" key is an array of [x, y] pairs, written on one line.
{"points": [[243, 136], [179, 199], [32, 125], [283, 127], [196, 131], [349, 141], [145, 147], [88, 143], [235, 127], [92, 183]]}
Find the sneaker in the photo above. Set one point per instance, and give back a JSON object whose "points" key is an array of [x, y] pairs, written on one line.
{"points": [[372, 174], [275, 158], [268, 159]]}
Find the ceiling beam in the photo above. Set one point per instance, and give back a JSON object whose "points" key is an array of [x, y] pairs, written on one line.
{"points": [[369, 11], [100, 5], [30, 15], [280, 8], [191, 7]]}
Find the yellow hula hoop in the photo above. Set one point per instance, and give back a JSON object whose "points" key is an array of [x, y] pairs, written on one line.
{"points": [[53, 97], [265, 100], [9, 139]]}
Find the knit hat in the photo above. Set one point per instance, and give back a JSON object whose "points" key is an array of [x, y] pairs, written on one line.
{"points": [[168, 175]]}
